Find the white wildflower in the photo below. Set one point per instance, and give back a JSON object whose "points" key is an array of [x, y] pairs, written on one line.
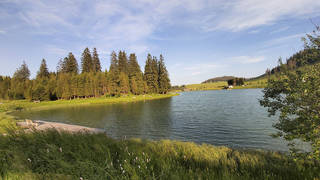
{"points": [[29, 159], [60, 149], [139, 166]]}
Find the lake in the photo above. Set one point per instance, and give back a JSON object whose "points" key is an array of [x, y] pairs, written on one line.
{"points": [[230, 118]]}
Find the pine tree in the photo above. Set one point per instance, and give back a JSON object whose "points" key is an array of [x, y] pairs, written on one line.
{"points": [[114, 75], [124, 83], [68, 65], [151, 74], [155, 73], [43, 71], [96, 61], [163, 78], [123, 62], [22, 73], [135, 76], [72, 64], [86, 61]]}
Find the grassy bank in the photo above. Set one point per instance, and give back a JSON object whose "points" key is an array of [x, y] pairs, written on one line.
{"points": [[54, 155], [258, 83], [24, 104]]}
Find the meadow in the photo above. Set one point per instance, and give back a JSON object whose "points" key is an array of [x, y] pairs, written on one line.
{"points": [[256, 83]]}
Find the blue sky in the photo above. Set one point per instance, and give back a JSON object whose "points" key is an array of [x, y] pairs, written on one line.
{"points": [[199, 39]]}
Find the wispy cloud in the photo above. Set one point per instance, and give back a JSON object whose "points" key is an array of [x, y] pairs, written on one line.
{"points": [[244, 14], [2, 32], [247, 59], [55, 50], [280, 30], [283, 40]]}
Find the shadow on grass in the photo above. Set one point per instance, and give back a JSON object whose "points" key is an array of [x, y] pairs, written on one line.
{"points": [[54, 155]]}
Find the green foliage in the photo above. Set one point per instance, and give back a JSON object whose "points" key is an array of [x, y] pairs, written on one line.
{"points": [[113, 75], [22, 73], [236, 82], [295, 95], [151, 74], [124, 83], [96, 61], [86, 61], [163, 77], [124, 77], [123, 62], [54, 155], [68, 65], [135, 76], [43, 71]]}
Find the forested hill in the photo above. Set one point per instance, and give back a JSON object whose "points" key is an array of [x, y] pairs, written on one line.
{"points": [[307, 56], [216, 79], [70, 81]]}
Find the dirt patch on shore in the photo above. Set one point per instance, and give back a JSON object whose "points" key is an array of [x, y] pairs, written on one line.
{"points": [[45, 125]]}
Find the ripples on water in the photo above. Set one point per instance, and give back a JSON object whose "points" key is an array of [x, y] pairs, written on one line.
{"points": [[231, 118]]}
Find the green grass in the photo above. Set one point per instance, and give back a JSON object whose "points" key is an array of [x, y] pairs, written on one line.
{"points": [[257, 83], [25, 104], [6, 121], [53, 155], [207, 86]]}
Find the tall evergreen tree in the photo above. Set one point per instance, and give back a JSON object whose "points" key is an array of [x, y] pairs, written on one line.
{"points": [[43, 71], [72, 64], [151, 74], [86, 61], [124, 83], [135, 76], [114, 75], [123, 62], [22, 73], [96, 61], [68, 65], [163, 78]]}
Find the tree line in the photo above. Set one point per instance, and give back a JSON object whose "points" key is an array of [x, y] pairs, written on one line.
{"points": [[70, 81], [236, 82], [307, 56]]}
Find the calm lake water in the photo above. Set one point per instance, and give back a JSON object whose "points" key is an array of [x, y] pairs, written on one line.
{"points": [[231, 118]]}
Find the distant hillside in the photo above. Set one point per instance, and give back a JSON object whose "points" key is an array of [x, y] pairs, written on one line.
{"points": [[216, 79], [302, 58]]}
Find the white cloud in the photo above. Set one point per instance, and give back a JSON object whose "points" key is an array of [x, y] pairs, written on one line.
{"points": [[247, 59], [280, 30], [244, 14], [57, 51], [2, 32], [283, 40]]}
